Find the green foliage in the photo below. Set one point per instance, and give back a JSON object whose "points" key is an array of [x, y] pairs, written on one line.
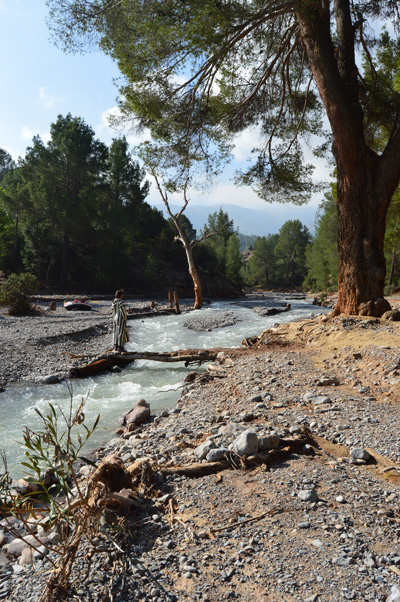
{"points": [[392, 242], [233, 263], [261, 267], [171, 57], [15, 292], [290, 253], [151, 270], [50, 456], [7, 164], [322, 255], [198, 73], [77, 210], [6, 238], [56, 448], [223, 247], [62, 181]]}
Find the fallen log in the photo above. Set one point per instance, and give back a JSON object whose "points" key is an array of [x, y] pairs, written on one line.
{"points": [[266, 458], [108, 360]]}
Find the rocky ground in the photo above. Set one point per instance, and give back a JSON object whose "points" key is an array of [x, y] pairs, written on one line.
{"points": [[314, 526]]}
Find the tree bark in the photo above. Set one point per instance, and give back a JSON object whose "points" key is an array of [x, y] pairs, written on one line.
{"points": [[365, 180], [187, 244], [106, 361], [361, 230], [198, 293], [64, 261], [392, 264]]}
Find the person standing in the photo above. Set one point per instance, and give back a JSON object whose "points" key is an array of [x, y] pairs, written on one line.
{"points": [[120, 322]]}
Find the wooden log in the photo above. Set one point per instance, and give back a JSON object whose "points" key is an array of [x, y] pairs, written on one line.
{"points": [[106, 361], [265, 457], [177, 308], [196, 470]]}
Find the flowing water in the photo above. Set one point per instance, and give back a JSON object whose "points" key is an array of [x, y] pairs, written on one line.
{"points": [[159, 383]]}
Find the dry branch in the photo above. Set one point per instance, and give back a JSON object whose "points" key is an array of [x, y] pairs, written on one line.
{"points": [[107, 360]]}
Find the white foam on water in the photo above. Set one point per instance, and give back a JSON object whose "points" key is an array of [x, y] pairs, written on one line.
{"points": [[112, 394]]}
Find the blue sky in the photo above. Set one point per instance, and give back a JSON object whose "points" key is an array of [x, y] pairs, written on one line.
{"points": [[39, 82]]}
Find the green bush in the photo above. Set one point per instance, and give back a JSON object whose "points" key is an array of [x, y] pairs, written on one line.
{"points": [[16, 291]]}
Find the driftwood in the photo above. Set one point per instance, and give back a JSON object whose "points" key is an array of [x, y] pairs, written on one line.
{"points": [[264, 457], [108, 360]]}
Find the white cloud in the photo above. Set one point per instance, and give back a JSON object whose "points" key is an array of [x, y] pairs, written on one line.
{"points": [[49, 99], [27, 134], [245, 143], [106, 131]]}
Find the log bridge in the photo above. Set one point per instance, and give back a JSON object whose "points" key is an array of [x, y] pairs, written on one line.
{"points": [[107, 360]]}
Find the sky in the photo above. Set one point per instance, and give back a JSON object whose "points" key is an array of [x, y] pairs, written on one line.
{"points": [[38, 82]]}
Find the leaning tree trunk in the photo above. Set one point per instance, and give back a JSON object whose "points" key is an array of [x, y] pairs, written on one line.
{"points": [[361, 229]]}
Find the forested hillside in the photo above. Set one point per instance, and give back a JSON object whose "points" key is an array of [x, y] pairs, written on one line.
{"points": [[73, 212]]}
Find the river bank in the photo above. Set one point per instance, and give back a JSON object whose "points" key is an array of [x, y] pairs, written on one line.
{"points": [[34, 349], [254, 535]]}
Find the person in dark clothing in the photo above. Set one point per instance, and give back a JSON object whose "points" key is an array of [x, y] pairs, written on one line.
{"points": [[120, 322]]}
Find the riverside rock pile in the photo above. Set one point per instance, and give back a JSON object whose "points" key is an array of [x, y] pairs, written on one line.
{"points": [[321, 525]]}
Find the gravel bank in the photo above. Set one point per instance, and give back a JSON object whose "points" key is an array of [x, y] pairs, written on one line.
{"points": [[260, 535]]}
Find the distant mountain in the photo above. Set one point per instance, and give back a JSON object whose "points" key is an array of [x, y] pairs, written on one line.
{"points": [[249, 221]]}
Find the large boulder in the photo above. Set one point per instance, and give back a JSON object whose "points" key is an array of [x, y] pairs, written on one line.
{"points": [[246, 443], [138, 414]]}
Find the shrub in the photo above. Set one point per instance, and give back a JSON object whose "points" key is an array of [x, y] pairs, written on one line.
{"points": [[50, 457], [16, 291]]}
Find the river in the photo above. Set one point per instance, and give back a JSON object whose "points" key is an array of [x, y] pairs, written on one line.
{"points": [[159, 383]]}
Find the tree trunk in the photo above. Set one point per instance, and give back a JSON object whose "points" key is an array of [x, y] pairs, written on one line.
{"points": [[393, 263], [366, 181], [16, 245], [198, 294], [361, 230], [64, 261]]}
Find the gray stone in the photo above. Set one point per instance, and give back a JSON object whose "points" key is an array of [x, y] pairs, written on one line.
{"points": [[15, 547], [327, 381], [228, 429], [394, 595], [359, 453], [17, 568], [246, 443], [304, 525], [202, 450], [214, 455], [308, 495], [52, 379], [344, 561]]}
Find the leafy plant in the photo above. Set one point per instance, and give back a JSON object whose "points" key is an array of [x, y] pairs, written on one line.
{"points": [[50, 457], [16, 291]]}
